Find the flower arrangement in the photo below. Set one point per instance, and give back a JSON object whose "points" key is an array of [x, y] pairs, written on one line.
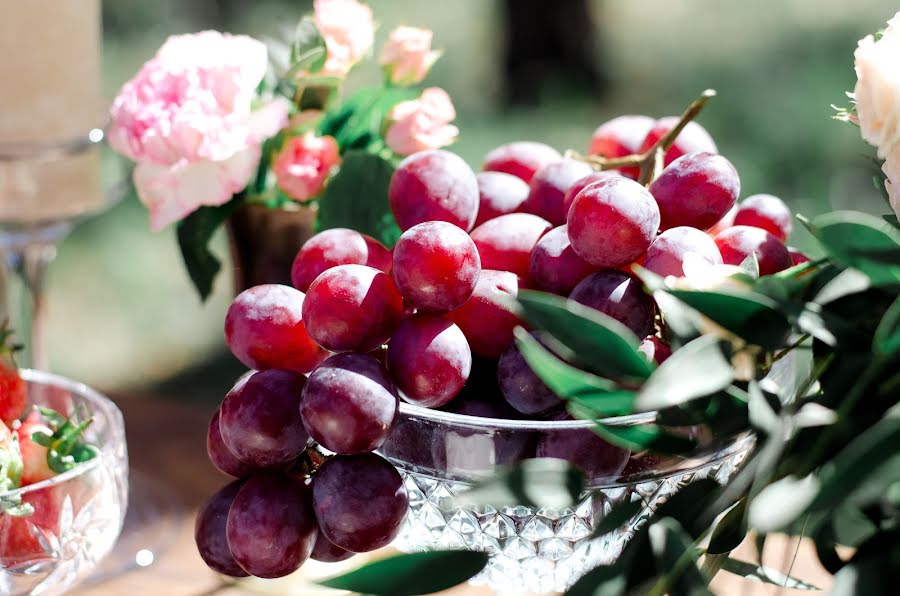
{"points": [[214, 121]]}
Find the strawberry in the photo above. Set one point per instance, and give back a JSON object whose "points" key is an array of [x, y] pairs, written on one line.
{"points": [[50, 444], [13, 391], [34, 455], [23, 538]]}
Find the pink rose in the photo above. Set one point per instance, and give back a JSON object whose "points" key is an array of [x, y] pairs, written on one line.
{"points": [[407, 56], [422, 123], [303, 165], [877, 91], [186, 118], [348, 30]]}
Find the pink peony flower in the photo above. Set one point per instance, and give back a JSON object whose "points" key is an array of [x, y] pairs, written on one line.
{"points": [[407, 56], [877, 91], [187, 120], [422, 123], [303, 165], [348, 30]]}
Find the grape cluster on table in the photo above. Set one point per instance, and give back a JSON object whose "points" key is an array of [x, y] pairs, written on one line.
{"points": [[365, 326]]}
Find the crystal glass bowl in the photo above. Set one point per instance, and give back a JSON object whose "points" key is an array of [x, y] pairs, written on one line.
{"points": [[441, 454], [77, 515]]}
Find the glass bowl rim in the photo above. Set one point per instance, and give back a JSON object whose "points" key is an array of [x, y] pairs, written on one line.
{"points": [[109, 409], [449, 418]]}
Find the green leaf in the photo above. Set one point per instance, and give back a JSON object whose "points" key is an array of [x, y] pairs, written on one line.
{"points": [[570, 383], [308, 52], [845, 283], [862, 241], [750, 266], [730, 531], [619, 515], [765, 574], [698, 369], [781, 503], [357, 197], [411, 574], [676, 559], [851, 527], [639, 437], [887, 336], [357, 123], [194, 235], [752, 317], [538, 482], [606, 346]]}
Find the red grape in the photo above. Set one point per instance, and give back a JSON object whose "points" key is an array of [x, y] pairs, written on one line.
{"points": [[349, 404], [429, 359], [797, 257], [654, 349], [434, 185], [260, 419], [736, 244], [271, 525], [767, 212], [617, 295], [264, 328], [621, 136], [352, 308], [691, 139], [520, 158], [436, 265], [219, 454], [666, 255], [613, 222], [583, 449], [360, 501], [726, 222], [521, 387], [549, 186], [696, 190], [487, 319], [505, 243], [210, 533], [583, 182], [337, 246], [499, 193], [326, 552], [555, 266]]}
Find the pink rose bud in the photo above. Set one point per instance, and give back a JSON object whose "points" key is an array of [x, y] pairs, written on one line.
{"points": [[423, 123], [407, 56], [348, 31], [186, 118], [303, 165]]}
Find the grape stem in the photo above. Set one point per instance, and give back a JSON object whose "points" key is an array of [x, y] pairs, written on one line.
{"points": [[650, 161]]}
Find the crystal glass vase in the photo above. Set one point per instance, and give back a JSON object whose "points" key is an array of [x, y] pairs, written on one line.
{"points": [[440, 455], [77, 515]]}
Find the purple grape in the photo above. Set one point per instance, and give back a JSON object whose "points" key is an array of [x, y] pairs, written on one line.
{"points": [[219, 454], [360, 501], [260, 419], [271, 525], [585, 450], [618, 295], [210, 535], [349, 403], [521, 387], [326, 552]]}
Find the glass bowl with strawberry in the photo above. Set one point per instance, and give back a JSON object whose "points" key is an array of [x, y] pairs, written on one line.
{"points": [[63, 480]]}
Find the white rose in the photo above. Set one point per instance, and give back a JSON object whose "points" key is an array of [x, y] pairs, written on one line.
{"points": [[877, 91]]}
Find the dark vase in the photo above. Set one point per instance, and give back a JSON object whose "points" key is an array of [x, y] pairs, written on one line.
{"points": [[265, 241]]}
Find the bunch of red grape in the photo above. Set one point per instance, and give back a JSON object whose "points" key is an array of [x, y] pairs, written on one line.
{"points": [[370, 326]]}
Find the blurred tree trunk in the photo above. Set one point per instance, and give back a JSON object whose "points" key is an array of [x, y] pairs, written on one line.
{"points": [[550, 40]]}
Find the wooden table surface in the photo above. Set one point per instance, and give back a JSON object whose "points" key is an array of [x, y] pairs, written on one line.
{"points": [[167, 445]]}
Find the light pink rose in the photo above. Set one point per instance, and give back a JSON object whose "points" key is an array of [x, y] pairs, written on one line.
{"points": [[891, 169], [877, 92], [303, 165], [187, 120], [407, 56], [422, 123], [348, 30]]}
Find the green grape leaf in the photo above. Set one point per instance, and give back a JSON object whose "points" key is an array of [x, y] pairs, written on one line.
{"points": [[697, 370], [600, 342], [357, 197], [411, 574]]}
